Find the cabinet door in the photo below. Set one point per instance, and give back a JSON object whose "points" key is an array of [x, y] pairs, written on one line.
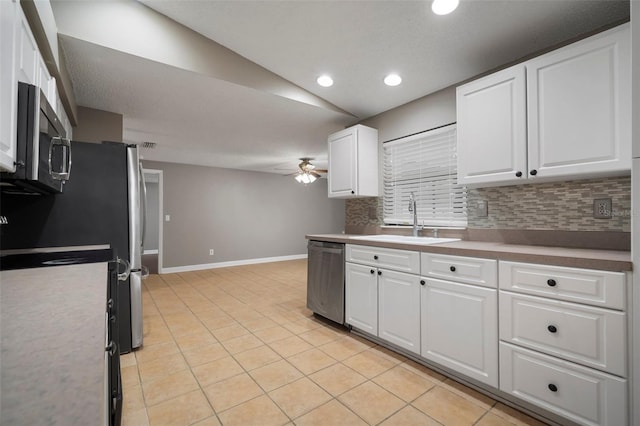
{"points": [[492, 128], [361, 297], [342, 173], [26, 51], [8, 85], [459, 326], [579, 107], [399, 309]]}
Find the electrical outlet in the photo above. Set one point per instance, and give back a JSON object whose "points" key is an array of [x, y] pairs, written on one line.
{"points": [[210, 252], [373, 213], [602, 208]]}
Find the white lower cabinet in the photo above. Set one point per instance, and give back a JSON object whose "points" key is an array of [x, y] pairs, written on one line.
{"points": [[550, 336], [459, 326], [361, 297], [399, 309], [591, 336], [581, 394], [566, 357]]}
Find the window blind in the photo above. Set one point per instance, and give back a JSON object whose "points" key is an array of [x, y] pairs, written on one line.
{"points": [[425, 164]]}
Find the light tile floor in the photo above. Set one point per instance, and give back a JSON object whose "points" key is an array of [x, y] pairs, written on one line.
{"points": [[237, 346]]}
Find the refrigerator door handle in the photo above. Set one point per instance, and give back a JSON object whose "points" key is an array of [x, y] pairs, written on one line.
{"points": [[122, 276], [143, 205]]}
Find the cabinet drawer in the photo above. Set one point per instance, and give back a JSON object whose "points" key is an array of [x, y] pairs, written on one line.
{"points": [[398, 260], [469, 270], [599, 288], [581, 394], [590, 336]]}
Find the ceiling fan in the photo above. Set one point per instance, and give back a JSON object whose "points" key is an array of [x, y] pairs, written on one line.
{"points": [[308, 173]]}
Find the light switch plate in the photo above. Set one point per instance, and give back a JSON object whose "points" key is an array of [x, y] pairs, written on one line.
{"points": [[167, 218], [482, 208]]}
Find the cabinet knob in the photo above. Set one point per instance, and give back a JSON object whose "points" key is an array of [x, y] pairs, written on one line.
{"points": [[353, 192], [552, 387], [552, 329], [422, 282], [452, 268], [518, 174], [533, 172], [379, 272], [375, 257], [551, 282], [373, 272]]}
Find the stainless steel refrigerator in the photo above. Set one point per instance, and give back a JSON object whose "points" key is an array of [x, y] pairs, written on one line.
{"points": [[102, 203]]}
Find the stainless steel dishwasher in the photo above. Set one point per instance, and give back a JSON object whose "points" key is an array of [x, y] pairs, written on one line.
{"points": [[325, 279]]}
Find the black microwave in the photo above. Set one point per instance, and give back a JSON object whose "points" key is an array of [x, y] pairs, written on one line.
{"points": [[43, 153]]}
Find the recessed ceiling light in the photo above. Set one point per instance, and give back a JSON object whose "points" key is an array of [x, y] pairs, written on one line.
{"points": [[325, 81], [444, 7], [392, 80]]}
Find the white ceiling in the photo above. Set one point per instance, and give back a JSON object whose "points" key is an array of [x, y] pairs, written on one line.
{"points": [[200, 119]]}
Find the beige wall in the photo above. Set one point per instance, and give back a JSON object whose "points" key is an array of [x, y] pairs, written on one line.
{"points": [[241, 215], [95, 125], [426, 113]]}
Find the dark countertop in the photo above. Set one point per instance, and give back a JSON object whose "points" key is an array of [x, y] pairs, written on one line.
{"points": [[52, 329], [607, 260]]}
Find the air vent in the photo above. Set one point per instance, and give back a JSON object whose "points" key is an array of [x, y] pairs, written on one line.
{"points": [[148, 145]]}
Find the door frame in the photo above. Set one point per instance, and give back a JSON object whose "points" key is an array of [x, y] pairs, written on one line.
{"points": [[160, 215]]}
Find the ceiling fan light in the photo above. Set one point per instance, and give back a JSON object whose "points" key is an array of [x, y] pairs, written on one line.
{"points": [[444, 7], [298, 178], [311, 178]]}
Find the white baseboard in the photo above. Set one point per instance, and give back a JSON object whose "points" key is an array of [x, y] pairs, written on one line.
{"points": [[188, 268], [150, 252]]}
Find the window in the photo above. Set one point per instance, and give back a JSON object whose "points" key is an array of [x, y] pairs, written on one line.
{"points": [[424, 164]]}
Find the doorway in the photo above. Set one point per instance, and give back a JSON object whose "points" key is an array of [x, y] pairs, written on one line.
{"points": [[152, 255]]}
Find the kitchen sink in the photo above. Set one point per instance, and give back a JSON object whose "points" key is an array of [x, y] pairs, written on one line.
{"points": [[405, 239]]}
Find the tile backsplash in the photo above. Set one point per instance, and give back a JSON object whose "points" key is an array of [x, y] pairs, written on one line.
{"points": [[566, 206]]}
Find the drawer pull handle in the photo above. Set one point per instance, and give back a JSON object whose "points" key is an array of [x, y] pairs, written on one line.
{"points": [[375, 257], [551, 282], [373, 272], [422, 282], [379, 272], [452, 268], [552, 328], [553, 388]]}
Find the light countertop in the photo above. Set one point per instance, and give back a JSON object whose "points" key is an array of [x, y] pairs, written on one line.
{"points": [[608, 260], [52, 328]]}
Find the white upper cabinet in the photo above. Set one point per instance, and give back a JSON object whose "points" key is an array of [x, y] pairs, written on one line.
{"points": [[353, 163], [579, 107], [27, 52], [565, 114], [8, 84], [492, 128]]}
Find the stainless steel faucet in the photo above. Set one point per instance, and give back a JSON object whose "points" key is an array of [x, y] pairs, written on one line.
{"points": [[413, 209]]}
